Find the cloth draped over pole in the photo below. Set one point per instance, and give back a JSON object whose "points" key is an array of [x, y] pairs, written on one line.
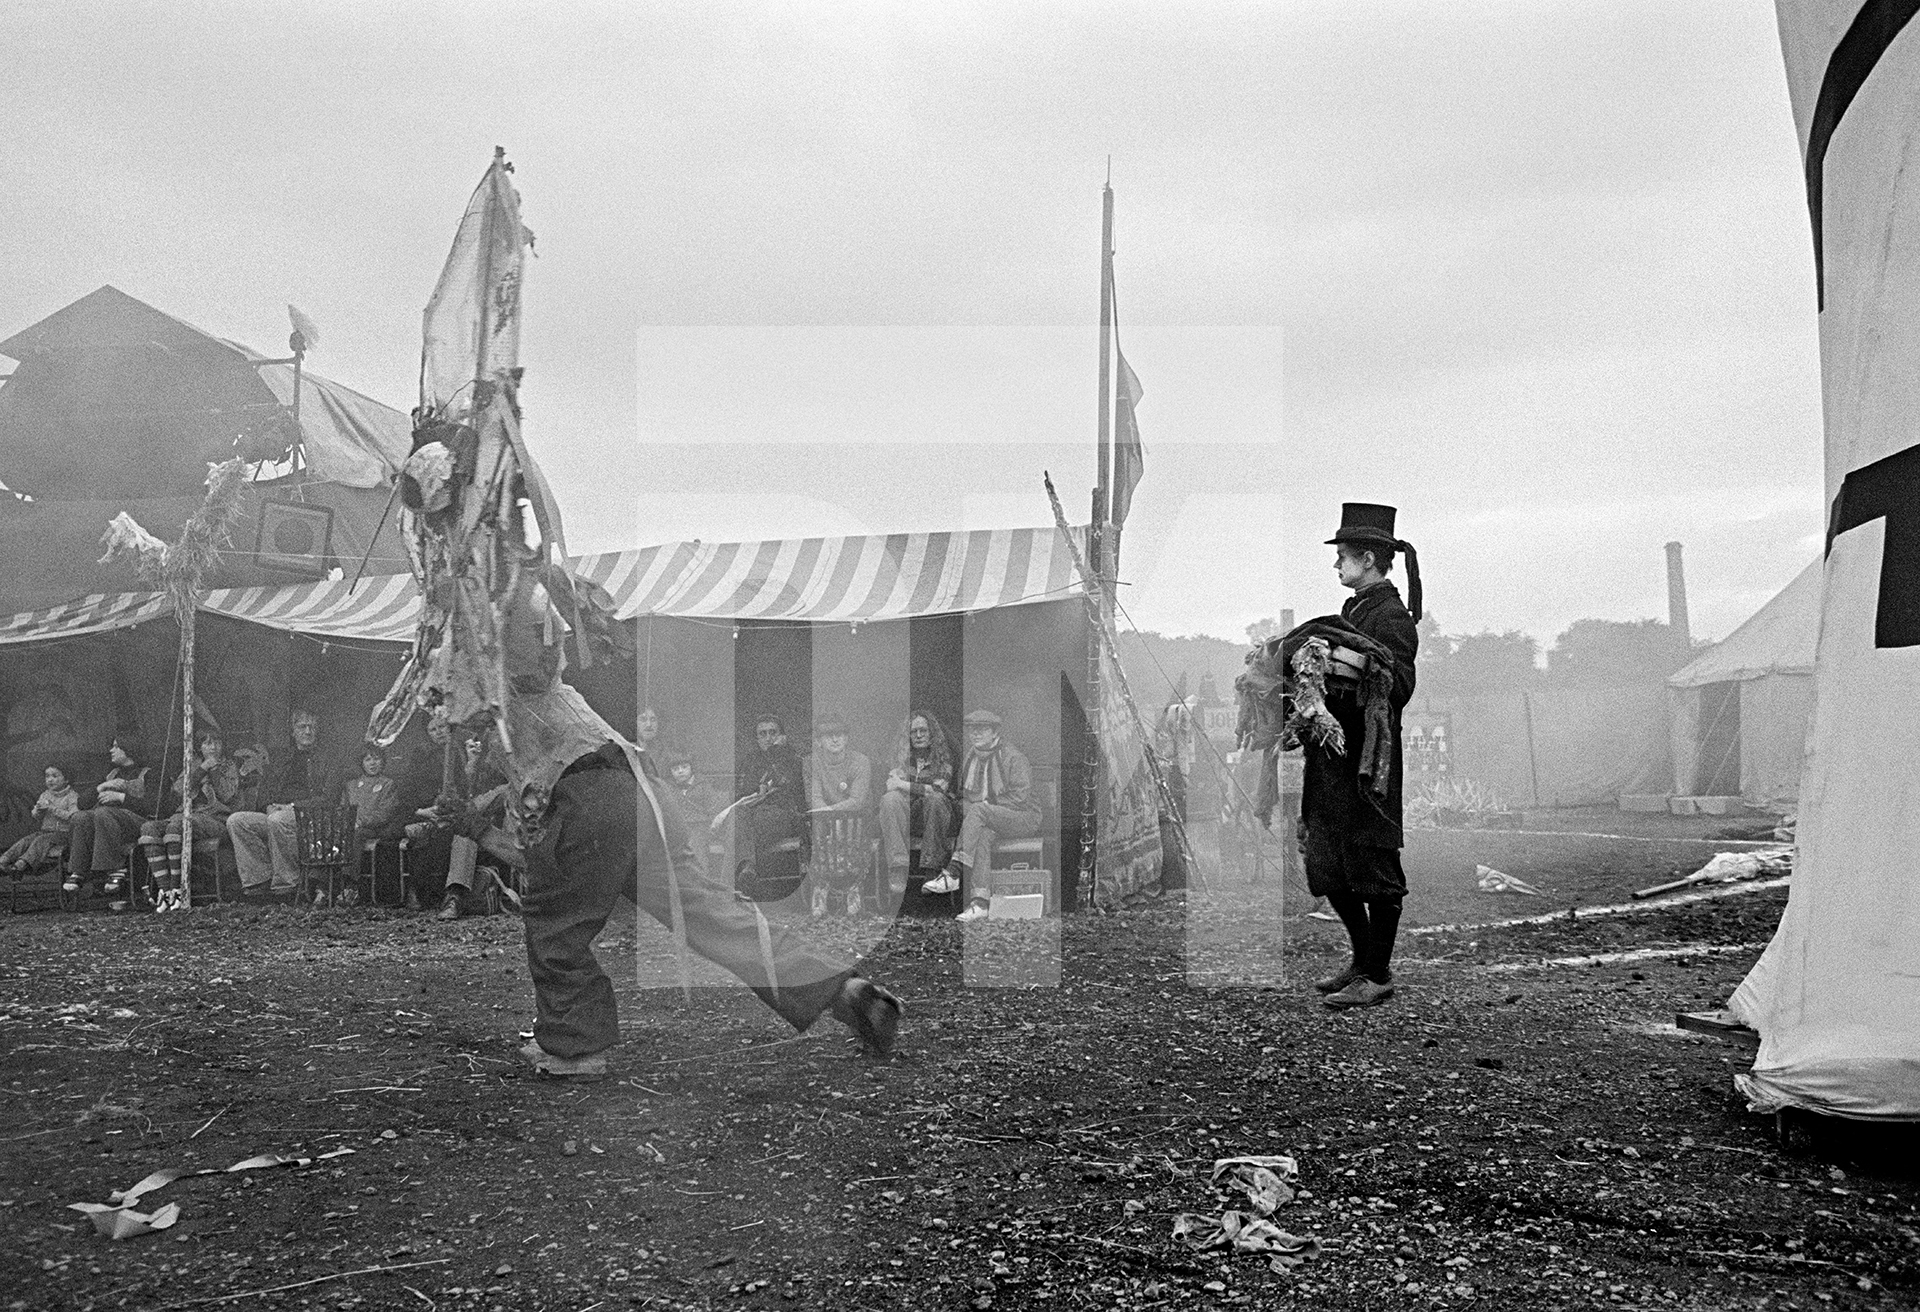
{"points": [[1135, 791], [1124, 787], [486, 546], [177, 570]]}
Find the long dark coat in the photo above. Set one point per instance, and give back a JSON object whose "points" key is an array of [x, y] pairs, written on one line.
{"points": [[1333, 798]]}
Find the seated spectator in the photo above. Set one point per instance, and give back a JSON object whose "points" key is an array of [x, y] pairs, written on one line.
{"points": [[839, 784], [838, 778], [646, 736], [54, 809], [375, 795], [459, 826], [98, 840], [699, 803], [213, 783], [774, 790], [996, 800], [919, 795], [265, 847]]}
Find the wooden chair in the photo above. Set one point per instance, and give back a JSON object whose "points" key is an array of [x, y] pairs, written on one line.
{"points": [[325, 843], [38, 886]]}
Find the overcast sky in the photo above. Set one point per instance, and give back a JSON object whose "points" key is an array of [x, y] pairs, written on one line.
{"points": [[1538, 273]]}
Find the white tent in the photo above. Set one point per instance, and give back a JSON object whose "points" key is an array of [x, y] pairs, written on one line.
{"points": [[1836, 995], [1739, 711]]}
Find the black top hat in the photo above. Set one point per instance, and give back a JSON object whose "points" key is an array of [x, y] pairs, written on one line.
{"points": [[1363, 522]]}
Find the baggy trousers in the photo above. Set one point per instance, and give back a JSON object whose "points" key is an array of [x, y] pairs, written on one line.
{"points": [[266, 848], [897, 812], [97, 843], [597, 849], [980, 824]]}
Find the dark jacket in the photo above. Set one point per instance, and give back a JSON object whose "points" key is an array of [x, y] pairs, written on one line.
{"points": [[296, 776], [1332, 793], [780, 767]]}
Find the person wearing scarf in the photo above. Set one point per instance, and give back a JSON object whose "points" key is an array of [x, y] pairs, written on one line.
{"points": [[1350, 813], [919, 789], [996, 801]]}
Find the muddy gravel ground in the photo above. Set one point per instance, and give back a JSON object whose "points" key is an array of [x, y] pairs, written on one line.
{"points": [[1521, 1127]]}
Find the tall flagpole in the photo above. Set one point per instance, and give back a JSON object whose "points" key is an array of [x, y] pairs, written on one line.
{"points": [[1104, 486], [1091, 781]]}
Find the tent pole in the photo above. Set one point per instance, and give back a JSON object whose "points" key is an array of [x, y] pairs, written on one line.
{"points": [[186, 612]]}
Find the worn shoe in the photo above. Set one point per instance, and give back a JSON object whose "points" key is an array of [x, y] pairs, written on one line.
{"points": [[871, 1012], [452, 906], [897, 879], [116, 883], [349, 897], [71, 884], [585, 1069], [944, 882], [818, 901], [975, 911], [1363, 992], [320, 899], [1335, 982], [169, 900], [853, 900]]}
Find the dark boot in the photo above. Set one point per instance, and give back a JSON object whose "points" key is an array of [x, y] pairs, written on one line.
{"points": [[1353, 914], [1383, 919]]}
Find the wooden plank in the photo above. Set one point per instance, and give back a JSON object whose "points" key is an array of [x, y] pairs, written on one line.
{"points": [[1720, 1024]]}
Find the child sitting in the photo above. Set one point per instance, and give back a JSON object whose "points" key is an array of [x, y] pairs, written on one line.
{"points": [[55, 811], [375, 795]]}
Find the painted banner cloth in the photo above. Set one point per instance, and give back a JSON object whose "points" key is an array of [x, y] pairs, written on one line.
{"points": [[1836, 995]]}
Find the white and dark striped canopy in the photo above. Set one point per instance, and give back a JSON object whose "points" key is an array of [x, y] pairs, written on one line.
{"points": [[895, 576]]}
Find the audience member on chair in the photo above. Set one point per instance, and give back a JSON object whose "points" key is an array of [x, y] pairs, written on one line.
{"points": [[699, 803], [213, 783], [772, 777], [264, 846], [839, 779], [462, 824], [996, 801], [919, 795], [54, 810], [101, 834]]}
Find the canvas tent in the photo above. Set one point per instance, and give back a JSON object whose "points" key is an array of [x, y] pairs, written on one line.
{"points": [[863, 626], [1836, 995], [117, 406], [1739, 710]]}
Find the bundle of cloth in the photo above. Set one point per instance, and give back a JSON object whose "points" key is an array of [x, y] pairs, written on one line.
{"points": [[1282, 703]]}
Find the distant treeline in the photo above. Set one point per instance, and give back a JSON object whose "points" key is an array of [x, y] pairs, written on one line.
{"points": [[1590, 654]]}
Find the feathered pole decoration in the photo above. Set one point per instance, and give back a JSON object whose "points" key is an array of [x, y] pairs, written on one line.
{"points": [[179, 570]]}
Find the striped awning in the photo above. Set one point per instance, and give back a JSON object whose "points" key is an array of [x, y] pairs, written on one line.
{"points": [[383, 608], [857, 578], [827, 579], [99, 613]]}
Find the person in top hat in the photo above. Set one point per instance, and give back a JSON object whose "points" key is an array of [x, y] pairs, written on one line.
{"points": [[996, 801], [1350, 830]]}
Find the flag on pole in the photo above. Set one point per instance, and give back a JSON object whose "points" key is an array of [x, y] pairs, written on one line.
{"points": [[472, 321], [1129, 457], [1836, 995]]}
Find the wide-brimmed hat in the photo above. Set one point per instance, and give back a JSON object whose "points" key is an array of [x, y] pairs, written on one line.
{"points": [[981, 719], [1365, 523]]}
